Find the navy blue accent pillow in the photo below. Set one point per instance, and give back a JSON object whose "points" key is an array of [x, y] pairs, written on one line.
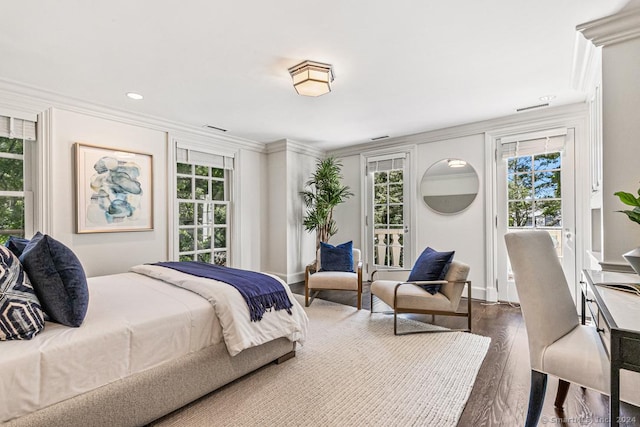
{"points": [[58, 279], [16, 245], [336, 258], [431, 265], [21, 316]]}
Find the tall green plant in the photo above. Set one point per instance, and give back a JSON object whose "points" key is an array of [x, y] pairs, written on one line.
{"points": [[631, 200], [325, 192]]}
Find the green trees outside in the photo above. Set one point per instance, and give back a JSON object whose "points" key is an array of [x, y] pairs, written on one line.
{"points": [[203, 210], [11, 188], [534, 191]]}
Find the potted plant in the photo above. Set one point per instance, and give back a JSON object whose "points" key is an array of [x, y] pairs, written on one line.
{"points": [[633, 256], [325, 192]]}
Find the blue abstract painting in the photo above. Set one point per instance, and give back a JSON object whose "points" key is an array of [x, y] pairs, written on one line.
{"points": [[114, 190]]}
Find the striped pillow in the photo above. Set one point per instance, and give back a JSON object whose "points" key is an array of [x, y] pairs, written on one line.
{"points": [[21, 316]]}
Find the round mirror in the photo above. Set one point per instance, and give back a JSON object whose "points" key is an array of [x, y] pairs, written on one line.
{"points": [[449, 186]]}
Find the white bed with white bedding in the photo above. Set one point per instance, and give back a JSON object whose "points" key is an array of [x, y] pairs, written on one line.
{"points": [[135, 327]]}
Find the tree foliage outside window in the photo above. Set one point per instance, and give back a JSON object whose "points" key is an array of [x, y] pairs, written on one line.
{"points": [[11, 188], [534, 191], [388, 216], [203, 213]]}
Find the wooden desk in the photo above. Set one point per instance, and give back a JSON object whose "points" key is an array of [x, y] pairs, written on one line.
{"points": [[616, 315]]}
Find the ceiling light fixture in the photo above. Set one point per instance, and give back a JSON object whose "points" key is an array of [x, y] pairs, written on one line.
{"points": [[135, 96], [312, 78], [456, 163]]}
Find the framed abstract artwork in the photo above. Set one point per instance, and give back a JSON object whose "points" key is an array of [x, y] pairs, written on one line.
{"points": [[114, 190]]}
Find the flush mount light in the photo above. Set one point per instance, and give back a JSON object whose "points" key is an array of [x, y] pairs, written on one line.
{"points": [[135, 96], [456, 163], [312, 78]]}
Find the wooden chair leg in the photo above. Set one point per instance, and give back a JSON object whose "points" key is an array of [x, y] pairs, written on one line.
{"points": [[536, 397], [561, 395]]}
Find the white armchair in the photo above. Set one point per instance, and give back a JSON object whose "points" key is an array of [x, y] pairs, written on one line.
{"points": [[316, 280], [391, 286]]}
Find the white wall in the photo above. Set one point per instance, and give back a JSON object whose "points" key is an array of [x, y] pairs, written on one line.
{"points": [[251, 176], [105, 253], [301, 243], [289, 247], [463, 232], [620, 147], [348, 215], [276, 244]]}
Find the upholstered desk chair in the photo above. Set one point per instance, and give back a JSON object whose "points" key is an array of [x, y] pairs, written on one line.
{"points": [[391, 286], [316, 280], [558, 344]]}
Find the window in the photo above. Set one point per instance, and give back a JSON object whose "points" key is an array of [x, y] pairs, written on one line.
{"points": [[534, 193], [202, 193], [15, 194], [388, 206]]}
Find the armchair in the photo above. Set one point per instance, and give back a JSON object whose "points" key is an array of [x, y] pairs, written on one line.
{"points": [[409, 297], [316, 280]]}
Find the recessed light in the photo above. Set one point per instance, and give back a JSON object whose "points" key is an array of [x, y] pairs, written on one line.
{"points": [[135, 96], [547, 98]]}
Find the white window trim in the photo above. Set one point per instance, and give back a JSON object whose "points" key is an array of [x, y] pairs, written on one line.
{"points": [[178, 141]]}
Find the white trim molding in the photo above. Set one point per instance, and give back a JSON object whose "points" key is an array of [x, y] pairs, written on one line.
{"points": [[293, 146], [620, 27], [36, 100]]}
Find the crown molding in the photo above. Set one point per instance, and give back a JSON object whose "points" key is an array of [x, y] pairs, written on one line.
{"points": [[552, 117], [34, 100], [586, 67], [293, 146], [613, 29]]}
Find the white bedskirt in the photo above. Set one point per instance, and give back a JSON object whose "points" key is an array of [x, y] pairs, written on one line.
{"points": [[133, 323]]}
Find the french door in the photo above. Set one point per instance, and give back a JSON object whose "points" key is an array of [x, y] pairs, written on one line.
{"points": [[388, 241], [535, 190]]}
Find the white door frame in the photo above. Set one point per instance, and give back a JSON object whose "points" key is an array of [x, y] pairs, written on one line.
{"points": [[577, 121], [410, 206]]}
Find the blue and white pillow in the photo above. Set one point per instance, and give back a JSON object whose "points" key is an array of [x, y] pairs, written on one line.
{"points": [[21, 316]]}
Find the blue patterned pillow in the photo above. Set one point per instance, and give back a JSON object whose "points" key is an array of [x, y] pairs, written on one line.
{"points": [[431, 265], [336, 258], [16, 245], [58, 279], [21, 316]]}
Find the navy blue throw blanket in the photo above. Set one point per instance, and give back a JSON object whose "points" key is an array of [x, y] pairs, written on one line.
{"points": [[261, 292]]}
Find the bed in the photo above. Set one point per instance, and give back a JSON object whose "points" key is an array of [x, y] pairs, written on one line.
{"points": [[146, 347]]}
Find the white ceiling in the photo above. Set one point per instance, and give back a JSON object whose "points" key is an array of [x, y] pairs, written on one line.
{"points": [[401, 66]]}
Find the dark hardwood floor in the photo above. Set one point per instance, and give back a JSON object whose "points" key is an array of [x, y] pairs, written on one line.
{"points": [[501, 391]]}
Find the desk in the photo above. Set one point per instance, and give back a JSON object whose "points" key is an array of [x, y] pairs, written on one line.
{"points": [[616, 315]]}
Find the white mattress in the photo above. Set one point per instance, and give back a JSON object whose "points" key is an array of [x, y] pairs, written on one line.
{"points": [[128, 329]]}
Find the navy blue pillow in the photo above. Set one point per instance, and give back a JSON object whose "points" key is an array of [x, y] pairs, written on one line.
{"points": [[58, 279], [16, 245], [431, 265], [336, 258]]}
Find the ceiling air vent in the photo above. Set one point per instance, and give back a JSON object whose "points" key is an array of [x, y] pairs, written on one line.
{"points": [[214, 128], [533, 107], [380, 137]]}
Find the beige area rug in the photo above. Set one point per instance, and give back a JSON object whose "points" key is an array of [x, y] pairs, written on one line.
{"points": [[352, 371]]}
